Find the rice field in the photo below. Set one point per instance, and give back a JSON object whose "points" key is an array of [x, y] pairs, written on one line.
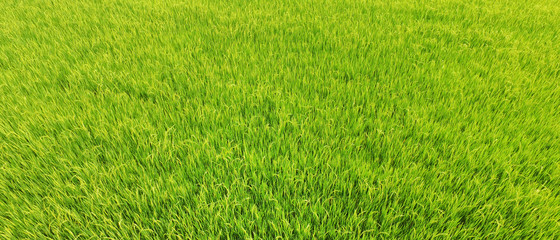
{"points": [[279, 119]]}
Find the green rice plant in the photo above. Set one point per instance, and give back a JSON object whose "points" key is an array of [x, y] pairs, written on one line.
{"points": [[254, 119]]}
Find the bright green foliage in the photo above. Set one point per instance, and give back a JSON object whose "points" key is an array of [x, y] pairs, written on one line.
{"points": [[327, 119]]}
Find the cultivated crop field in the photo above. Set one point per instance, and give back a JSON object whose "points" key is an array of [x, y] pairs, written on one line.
{"points": [[279, 119]]}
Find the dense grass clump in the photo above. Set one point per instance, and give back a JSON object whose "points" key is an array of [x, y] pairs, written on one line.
{"points": [[327, 119]]}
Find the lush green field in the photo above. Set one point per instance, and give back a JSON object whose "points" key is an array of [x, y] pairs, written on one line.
{"points": [[328, 119]]}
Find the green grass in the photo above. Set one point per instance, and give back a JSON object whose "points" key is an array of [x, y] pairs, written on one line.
{"points": [[327, 119]]}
